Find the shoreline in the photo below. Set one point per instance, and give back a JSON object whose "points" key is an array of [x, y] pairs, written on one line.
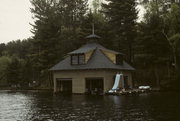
{"points": [[30, 89], [8, 89]]}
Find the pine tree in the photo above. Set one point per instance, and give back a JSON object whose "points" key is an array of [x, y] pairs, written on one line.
{"points": [[122, 15], [2, 48], [154, 50], [56, 27]]}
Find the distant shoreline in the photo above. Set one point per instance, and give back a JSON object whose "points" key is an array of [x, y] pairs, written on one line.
{"points": [[30, 89]]}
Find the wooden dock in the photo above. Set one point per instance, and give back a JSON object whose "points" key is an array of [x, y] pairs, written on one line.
{"points": [[130, 92]]}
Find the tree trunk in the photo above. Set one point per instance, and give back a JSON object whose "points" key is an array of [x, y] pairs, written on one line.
{"points": [[175, 58], [130, 53], [157, 76]]}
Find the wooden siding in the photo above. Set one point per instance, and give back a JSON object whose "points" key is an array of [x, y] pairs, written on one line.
{"points": [[78, 78]]}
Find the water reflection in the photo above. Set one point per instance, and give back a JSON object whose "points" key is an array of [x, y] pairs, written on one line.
{"points": [[33, 106], [15, 106]]}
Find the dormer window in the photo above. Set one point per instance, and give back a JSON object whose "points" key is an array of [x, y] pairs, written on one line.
{"points": [[74, 59], [77, 59], [119, 59], [81, 59]]}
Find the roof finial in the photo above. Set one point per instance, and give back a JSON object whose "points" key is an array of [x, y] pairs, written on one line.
{"points": [[93, 28], [93, 36]]}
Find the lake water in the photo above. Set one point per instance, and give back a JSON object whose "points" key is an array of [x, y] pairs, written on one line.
{"points": [[44, 106]]}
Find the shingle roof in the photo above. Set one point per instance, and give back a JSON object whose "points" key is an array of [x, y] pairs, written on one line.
{"points": [[93, 36], [86, 48], [92, 46], [98, 60]]}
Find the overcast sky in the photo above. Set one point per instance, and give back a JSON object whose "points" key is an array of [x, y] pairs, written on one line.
{"points": [[15, 17]]}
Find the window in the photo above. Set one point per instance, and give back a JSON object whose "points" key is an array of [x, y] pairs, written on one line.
{"points": [[77, 59], [74, 59], [119, 59], [81, 59]]}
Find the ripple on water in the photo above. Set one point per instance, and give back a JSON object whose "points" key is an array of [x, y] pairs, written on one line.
{"points": [[33, 106]]}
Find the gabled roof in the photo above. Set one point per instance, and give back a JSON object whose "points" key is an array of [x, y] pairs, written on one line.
{"points": [[92, 46], [86, 48], [98, 60]]}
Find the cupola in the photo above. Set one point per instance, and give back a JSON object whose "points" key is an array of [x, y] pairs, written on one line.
{"points": [[93, 38]]}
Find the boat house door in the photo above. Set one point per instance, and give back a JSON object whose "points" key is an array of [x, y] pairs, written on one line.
{"points": [[64, 85]]}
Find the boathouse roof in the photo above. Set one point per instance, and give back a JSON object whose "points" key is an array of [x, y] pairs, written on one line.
{"points": [[98, 59], [92, 46]]}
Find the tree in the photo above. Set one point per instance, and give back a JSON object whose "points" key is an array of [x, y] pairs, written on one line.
{"points": [[13, 71], [4, 62], [122, 15], [171, 31], [2, 48], [155, 48], [56, 29], [175, 43], [96, 5]]}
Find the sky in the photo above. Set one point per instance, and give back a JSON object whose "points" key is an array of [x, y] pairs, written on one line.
{"points": [[15, 17]]}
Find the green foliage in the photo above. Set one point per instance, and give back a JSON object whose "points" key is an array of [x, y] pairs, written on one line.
{"points": [[13, 71], [156, 50], [153, 40], [175, 43], [56, 31], [4, 62], [13, 62], [174, 18], [122, 15], [2, 48], [175, 40], [96, 4], [17, 48]]}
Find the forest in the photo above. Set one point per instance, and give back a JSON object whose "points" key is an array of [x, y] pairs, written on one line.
{"points": [[151, 45]]}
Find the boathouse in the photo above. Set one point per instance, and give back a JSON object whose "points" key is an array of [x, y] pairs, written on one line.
{"points": [[90, 68]]}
